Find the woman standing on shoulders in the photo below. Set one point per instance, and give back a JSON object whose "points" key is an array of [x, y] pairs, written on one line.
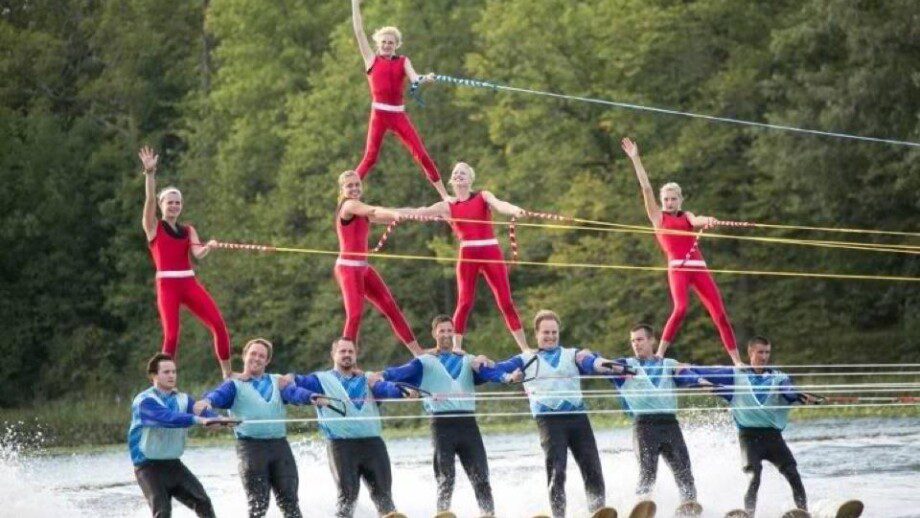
{"points": [[171, 245], [686, 266]]}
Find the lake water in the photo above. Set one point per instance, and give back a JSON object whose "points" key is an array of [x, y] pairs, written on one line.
{"points": [[875, 460]]}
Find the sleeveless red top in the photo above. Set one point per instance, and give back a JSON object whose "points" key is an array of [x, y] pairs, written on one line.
{"points": [[676, 246], [386, 78], [352, 236], [170, 248], [474, 207]]}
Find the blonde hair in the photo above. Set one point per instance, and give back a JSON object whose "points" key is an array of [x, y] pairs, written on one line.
{"points": [[260, 341], [468, 168], [379, 33], [166, 191], [545, 314], [342, 178], [671, 186]]}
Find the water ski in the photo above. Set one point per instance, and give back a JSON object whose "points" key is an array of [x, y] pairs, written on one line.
{"points": [[394, 514], [445, 514], [737, 513], [688, 509], [850, 509], [605, 512], [644, 509], [796, 513]]}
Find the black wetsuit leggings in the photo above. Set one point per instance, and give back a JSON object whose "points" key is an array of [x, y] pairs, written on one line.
{"points": [[458, 436], [659, 434], [354, 459], [767, 444], [267, 465], [558, 434], [163, 480]]}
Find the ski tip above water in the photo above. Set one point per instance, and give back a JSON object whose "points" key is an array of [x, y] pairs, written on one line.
{"points": [[850, 509], [644, 509], [688, 509], [605, 512], [796, 513], [737, 513]]}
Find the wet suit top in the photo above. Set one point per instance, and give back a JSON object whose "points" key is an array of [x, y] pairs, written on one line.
{"points": [[758, 400]]}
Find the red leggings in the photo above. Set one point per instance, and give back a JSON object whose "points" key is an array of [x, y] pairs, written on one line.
{"points": [[705, 287], [173, 293], [496, 275], [399, 123], [363, 282]]}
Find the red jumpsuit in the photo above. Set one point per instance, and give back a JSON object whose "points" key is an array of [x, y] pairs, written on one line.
{"points": [[359, 280], [686, 272], [477, 241], [176, 286], [387, 78]]}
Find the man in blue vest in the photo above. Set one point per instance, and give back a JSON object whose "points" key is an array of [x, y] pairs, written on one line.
{"points": [[266, 461], [450, 378], [160, 419], [648, 397], [760, 398], [351, 425], [558, 407]]}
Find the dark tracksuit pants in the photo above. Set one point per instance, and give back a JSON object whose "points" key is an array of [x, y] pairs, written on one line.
{"points": [[163, 480], [767, 444], [457, 435], [352, 460], [558, 435], [266, 466], [660, 434]]}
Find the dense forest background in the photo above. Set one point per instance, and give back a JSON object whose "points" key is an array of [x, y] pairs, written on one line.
{"points": [[256, 107]]}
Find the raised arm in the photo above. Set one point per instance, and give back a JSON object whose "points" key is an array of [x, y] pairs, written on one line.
{"points": [[364, 45], [149, 160], [508, 209], [438, 210], [374, 213], [648, 194]]}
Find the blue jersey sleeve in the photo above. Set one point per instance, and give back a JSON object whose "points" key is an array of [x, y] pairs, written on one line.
{"points": [[309, 382], [294, 395], [223, 396], [488, 374], [686, 376], [154, 414], [586, 365], [410, 372], [720, 376], [206, 413], [511, 364], [788, 391], [386, 390]]}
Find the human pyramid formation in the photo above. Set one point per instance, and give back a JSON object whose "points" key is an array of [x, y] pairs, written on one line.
{"points": [[347, 399]]}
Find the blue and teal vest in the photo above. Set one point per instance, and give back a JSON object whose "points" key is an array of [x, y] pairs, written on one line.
{"points": [[249, 404], [333, 425], [760, 407], [437, 380], [153, 442], [650, 391], [555, 389]]}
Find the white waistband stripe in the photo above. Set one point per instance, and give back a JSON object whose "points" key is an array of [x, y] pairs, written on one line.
{"points": [[175, 274], [690, 263], [479, 242], [350, 262], [389, 107]]}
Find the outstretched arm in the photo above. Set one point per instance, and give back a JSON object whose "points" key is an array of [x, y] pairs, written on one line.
{"points": [[648, 194], [439, 209], [374, 213], [149, 218], [364, 45], [508, 209], [701, 221], [199, 249], [415, 77]]}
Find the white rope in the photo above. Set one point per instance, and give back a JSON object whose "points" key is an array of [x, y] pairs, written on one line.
{"points": [[582, 412], [631, 106]]}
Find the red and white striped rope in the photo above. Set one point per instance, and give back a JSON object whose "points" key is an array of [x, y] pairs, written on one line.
{"points": [[512, 234], [391, 227], [244, 246], [715, 223]]}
